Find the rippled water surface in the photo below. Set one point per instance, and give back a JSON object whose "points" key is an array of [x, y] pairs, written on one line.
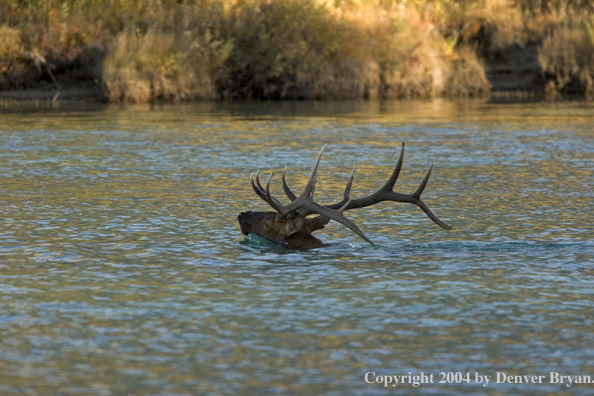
{"points": [[123, 270]]}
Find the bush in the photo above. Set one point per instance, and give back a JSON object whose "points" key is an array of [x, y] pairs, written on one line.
{"points": [[567, 56], [162, 65], [290, 49], [296, 49]]}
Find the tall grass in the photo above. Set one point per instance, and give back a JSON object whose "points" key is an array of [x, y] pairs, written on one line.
{"points": [[162, 65], [289, 49], [304, 49], [567, 55]]}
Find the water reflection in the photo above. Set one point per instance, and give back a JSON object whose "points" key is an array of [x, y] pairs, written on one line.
{"points": [[123, 270]]}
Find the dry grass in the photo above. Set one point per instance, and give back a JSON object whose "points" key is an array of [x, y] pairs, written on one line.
{"points": [[305, 49], [11, 51], [467, 76], [159, 65], [567, 55], [289, 49]]}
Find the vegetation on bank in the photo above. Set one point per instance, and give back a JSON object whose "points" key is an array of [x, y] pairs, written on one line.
{"points": [[141, 51]]}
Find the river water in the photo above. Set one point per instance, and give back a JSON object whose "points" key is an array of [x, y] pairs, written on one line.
{"points": [[123, 270]]}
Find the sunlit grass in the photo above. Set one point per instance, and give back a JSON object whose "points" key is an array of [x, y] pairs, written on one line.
{"points": [[291, 49]]}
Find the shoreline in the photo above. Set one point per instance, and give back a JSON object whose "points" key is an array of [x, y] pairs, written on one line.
{"points": [[515, 75], [84, 91], [77, 97], [223, 50], [92, 95]]}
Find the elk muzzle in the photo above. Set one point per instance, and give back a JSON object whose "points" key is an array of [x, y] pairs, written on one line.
{"points": [[269, 225]]}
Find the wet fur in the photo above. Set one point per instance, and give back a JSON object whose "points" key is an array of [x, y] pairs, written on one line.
{"points": [[294, 232]]}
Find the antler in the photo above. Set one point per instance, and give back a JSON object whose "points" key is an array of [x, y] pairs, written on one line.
{"points": [[385, 193], [305, 205]]}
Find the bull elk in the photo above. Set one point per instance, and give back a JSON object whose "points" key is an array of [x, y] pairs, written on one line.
{"points": [[290, 225]]}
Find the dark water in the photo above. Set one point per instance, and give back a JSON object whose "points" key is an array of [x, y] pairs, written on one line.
{"points": [[123, 270]]}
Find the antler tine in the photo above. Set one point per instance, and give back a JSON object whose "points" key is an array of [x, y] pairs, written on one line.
{"points": [[432, 216], [264, 193], [307, 193], [312, 180], [311, 183], [271, 200], [286, 188], [423, 184], [347, 193], [258, 188], [259, 185], [389, 186], [417, 198], [347, 190]]}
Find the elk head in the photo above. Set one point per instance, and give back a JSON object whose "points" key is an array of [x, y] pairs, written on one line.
{"points": [[290, 225]]}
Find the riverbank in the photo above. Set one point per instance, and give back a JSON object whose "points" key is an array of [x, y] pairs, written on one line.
{"points": [[136, 52]]}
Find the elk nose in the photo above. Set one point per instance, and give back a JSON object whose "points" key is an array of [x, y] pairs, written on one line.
{"points": [[241, 218]]}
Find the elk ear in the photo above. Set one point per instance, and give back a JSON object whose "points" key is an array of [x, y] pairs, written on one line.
{"points": [[294, 225]]}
